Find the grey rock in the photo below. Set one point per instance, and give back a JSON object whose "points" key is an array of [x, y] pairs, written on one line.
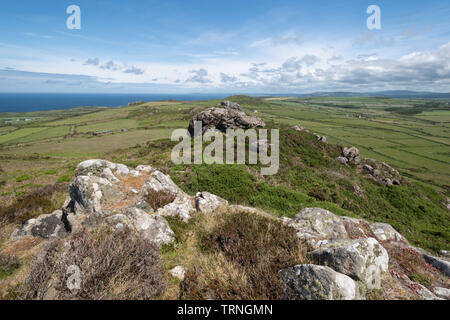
{"points": [[443, 293], [385, 232], [358, 191], [312, 282], [206, 202], [442, 265], [152, 227], [224, 118], [362, 259], [315, 224], [352, 155], [178, 272], [47, 226], [91, 193]]}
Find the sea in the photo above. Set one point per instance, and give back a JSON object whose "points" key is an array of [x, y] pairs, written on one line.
{"points": [[27, 102]]}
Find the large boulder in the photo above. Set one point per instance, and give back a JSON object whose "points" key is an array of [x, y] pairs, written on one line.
{"points": [[352, 155], [222, 119], [361, 259], [315, 224], [313, 282]]}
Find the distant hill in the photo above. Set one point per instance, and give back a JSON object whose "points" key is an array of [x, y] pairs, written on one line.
{"points": [[389, 94]]}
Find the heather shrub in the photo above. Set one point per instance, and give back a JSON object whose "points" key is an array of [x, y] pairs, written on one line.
{"points": [[158, 199], [255, 248], [36, 202], [113, 265], [8, 263]]}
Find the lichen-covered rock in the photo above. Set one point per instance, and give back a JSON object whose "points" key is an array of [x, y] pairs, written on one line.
{"points": [[313, 282], [385, 232], [361, 259], [152, 227], [159, 181], [206, 202], [47, 226], [352, 155], [315, 224], [91, 193], [182, 207], [224, 118]]}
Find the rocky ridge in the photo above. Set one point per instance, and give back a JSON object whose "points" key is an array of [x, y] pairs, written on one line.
{"points": [[348, 256]]}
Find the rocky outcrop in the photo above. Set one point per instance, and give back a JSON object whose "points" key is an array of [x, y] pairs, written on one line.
{"points": [[350, 255], [221, 119], [361, 259], [352, 155], [380, 173], [106, 193], [313, 282], [383, 174]]}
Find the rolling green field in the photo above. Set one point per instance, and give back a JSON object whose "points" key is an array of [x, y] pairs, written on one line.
{"points": [[411, 135], [416, 140]]}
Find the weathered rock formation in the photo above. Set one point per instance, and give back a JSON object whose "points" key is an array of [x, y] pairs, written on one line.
{"points": [[313, 282], [230, 116], [357, 249], [106, 193], [381, 173], [350, 256]]}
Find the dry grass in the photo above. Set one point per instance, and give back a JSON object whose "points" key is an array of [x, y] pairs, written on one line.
{"points": [[237, 256], [115, 265], [158, 199], [39, 201]]}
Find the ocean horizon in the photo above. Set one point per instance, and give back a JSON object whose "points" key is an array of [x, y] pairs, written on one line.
{"points": [[28, 102]]}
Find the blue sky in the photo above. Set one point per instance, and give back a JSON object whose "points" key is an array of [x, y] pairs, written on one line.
{"points": [[254, 46]]}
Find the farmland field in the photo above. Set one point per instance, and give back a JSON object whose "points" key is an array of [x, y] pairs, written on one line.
{"points": [[417, 144]]}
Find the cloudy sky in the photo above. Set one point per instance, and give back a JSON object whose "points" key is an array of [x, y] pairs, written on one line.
{"points": [[251, 46]]}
